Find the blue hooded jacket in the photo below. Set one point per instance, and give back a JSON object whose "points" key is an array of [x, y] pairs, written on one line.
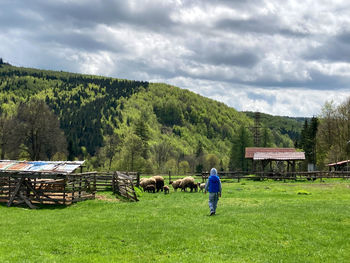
{"points": [[213, 184]]}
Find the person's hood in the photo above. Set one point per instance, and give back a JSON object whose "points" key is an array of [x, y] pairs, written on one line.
{"points": [[213, 171]]}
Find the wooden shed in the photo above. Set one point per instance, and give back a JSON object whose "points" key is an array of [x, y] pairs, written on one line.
{"points": [[263, 157], [339, 166], [42, 182]]}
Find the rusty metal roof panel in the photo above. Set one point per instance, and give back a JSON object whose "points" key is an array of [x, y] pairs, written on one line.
{"points": [[58, 167], [279, 156], [250, 151]]}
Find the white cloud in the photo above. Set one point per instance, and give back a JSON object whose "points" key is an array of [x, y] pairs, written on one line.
{"points": [[279, 57]]}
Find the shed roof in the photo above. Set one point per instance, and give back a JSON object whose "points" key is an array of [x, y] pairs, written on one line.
{"points": [[338, 163], [250, 151], [59, 167], [279, 156]]}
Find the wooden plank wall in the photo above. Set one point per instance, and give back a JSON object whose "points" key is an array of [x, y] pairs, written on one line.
{"points": [[64, 189], [35, 188]]}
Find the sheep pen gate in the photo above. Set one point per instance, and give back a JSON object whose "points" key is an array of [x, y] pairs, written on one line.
{"points": [[121, 183]]}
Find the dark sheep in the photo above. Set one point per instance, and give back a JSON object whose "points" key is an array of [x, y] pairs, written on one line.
{"points": [[150, 188], [166, 189], [159, 182], [194, 186]]}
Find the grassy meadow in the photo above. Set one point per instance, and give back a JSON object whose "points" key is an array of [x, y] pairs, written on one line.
{"points": [[256, 222]]}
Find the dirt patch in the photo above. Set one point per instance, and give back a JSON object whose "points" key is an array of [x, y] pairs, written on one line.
{"points": [[106, 198]]}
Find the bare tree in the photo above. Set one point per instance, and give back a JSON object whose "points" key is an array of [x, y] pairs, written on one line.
{"points": [[39, 130], [162, 152], [8, 140]]}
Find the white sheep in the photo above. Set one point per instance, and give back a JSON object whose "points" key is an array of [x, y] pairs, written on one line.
{"points": [[176, 184], [147, 181], [201, 187], [187, 182]]}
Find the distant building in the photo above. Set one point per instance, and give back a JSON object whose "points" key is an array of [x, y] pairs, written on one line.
{"points": [[339, 166], [264, 157]]}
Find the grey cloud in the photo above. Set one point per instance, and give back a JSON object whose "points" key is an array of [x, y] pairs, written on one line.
{"points": [[261, 25], [12, 17], [82, 41], [92, 12], [335, 49], [317, 81], [225, 57], [219, 52]]}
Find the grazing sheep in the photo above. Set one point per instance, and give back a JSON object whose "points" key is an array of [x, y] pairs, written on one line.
{"points": [[187, 182], [194, 187], [176, 184], [201, 187], [147, 181], [159, 182], [151, 188], [166, 189]]}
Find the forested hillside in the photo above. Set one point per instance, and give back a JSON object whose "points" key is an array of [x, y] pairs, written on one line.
{"points": [[290, 126], [123, 124]]}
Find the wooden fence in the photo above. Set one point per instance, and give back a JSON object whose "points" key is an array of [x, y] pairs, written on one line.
{"points": [[40, 188], [281, 175], [48, 188], [104, 180], [123, 185]]}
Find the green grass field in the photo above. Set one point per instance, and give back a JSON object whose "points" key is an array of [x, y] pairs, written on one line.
{"points": [[255, 222]]}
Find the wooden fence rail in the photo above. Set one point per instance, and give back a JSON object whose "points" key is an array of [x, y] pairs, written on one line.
{"points": [[281, 176], [124, 186]]}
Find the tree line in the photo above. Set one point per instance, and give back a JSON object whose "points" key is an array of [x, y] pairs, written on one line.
{"points": [[121, 124]]}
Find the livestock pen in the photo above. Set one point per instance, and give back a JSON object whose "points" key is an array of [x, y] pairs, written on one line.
{"points": [[43, 183], [34, 183]]}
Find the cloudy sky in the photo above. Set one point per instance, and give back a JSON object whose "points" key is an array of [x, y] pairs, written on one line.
{"points": [[280, 57]]}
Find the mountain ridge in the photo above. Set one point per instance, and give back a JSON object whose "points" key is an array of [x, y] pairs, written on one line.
{"points": [[92, 108]]}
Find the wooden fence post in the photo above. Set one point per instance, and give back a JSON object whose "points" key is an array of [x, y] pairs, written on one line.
{"points": [[64, 193], [73, 190], [138, 179], [113, 183]]}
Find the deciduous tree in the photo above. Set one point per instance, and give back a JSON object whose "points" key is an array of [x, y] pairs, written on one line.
{"points": [[39, 130]]}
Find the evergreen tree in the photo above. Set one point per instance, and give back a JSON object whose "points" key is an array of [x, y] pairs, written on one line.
{"points": [[142, 130], [242, 140], [266, 140], [308, 139]]}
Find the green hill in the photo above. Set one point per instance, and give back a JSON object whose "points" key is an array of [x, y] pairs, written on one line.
{"points": [[111, 121], [290, 126]]}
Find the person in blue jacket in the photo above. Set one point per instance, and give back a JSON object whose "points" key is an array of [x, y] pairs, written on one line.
{"points": [[213, 186]]}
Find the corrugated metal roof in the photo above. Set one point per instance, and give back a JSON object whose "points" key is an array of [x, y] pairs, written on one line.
{"points": [[249, 151], [59, 167], [280, 156]]}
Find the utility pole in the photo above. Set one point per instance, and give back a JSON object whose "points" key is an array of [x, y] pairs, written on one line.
{"points": [[256, 129]]}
